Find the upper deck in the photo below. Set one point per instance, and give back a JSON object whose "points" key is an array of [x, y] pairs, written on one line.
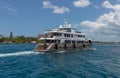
{"points": [[64, 32], [65, 28]]}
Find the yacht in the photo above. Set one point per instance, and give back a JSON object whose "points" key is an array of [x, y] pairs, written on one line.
{"points": [[64, 38]]}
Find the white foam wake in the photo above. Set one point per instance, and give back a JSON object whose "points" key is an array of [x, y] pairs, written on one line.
{"points": [[90, 48], [93, 49], [18, 53]]}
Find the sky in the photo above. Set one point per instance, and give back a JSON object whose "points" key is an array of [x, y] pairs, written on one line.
{"points": [[98, 19]]}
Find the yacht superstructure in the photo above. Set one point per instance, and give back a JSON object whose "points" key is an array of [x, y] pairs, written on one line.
{"points": [[63, 38]]}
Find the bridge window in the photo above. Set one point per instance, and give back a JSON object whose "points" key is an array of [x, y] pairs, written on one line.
{"points": [[83, 36], [66, 35], [67, 41], [71, 35], [80, 41], [57, 34], [73, 41]]}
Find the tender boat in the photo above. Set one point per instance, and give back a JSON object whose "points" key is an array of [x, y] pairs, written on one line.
{"points": [[62, 39]]}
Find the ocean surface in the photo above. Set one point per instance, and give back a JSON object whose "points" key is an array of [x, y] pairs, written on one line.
{"points": [[19, 61]]}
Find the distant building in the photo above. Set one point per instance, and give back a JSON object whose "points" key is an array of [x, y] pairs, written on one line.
{"points": [[39, 36], [11, 35], [1, 36], [33, 42]]}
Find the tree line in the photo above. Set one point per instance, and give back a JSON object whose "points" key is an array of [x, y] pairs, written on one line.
{"points": [[18, 39]]}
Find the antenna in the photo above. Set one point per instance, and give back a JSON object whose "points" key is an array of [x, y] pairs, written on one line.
{"points": [[65, 21]]}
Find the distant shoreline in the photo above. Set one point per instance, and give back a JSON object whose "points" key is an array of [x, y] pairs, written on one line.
{"points": [[105, 42], [18, 40], [29, 40]]}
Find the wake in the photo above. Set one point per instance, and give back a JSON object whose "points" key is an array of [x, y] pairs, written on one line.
{"points": [[19, 53], [92, 49], [31, 52]]}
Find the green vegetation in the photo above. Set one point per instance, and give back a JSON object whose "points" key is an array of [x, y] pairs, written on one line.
{"points": [[18, 39]]}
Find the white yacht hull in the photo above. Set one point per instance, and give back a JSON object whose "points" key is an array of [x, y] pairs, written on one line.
{"points": [[61, 47]]}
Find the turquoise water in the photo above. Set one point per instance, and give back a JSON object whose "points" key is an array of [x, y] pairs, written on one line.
{"points": [[19, 61]]}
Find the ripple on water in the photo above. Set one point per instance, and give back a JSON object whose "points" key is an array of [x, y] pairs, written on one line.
{"points": [[18, 61]]}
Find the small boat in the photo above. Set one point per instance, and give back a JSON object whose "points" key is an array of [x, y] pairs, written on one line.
{"points": [[63, 38]]}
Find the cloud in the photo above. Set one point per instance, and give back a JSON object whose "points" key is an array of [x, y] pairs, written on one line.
{"points": [[107, 24], [7, 7], [81, 3], [108, 5], [56, 9]]}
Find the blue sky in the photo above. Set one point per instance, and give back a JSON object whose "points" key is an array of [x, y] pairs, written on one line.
{"points": [[98, 19]]}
